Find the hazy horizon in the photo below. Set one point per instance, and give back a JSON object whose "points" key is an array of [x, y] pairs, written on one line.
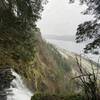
{"points": [[59, 37]]}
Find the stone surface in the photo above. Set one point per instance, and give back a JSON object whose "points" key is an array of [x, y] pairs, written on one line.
{"points": [[5, 79]]}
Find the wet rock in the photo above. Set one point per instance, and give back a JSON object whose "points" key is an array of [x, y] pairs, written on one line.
{"points": [[6, 78]]}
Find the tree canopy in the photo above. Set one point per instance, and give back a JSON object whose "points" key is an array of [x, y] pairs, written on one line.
{"points": [[17, 27], [21, 12], [90, 29]]}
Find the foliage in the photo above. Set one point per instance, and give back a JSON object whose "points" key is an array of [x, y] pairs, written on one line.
{"points": [[88, 81], [17, 28], [61, 61], [90, 29], [49, 64], [41, 96], [19, 12]]}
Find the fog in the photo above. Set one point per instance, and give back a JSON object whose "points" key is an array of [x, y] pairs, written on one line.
{"points": [[61, 18]]}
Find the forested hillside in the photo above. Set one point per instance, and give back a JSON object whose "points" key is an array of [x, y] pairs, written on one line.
{"points": [[28, 62]]}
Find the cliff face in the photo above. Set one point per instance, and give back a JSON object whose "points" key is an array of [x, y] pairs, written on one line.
{"points": [[51, 70], [48, 72]]}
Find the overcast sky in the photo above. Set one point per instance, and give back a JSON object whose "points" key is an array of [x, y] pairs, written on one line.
{"points": [[61, 18]]}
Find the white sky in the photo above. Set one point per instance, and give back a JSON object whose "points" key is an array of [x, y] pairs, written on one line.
{"points": [[61, 18]]}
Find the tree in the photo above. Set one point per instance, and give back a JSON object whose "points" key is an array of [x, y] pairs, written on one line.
{"points": [[17, 27], [88, 81], [90, 29], [13, 12]]}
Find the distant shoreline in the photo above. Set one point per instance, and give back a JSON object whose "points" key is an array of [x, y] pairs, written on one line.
{"points": [[74, 47], [60, 37]]}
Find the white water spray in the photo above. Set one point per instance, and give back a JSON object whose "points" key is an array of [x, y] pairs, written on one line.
{"points": [[18, 90]]}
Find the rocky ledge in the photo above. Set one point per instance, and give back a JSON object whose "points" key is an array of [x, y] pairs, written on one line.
{"points": [[6, 78]]}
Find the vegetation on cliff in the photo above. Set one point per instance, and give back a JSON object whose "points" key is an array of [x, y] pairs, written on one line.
{"points": [[22, 48], [41, 96], [42, 67], [17, 27]]}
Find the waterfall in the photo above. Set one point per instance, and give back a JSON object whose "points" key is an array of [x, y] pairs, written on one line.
{"points": [[18, 91]]}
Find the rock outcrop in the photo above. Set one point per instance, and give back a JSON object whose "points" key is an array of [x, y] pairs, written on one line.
{"points": [[6, 78]]}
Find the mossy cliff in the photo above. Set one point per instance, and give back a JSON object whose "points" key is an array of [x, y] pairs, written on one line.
{"points": [[50, 71], [47, 70]]}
